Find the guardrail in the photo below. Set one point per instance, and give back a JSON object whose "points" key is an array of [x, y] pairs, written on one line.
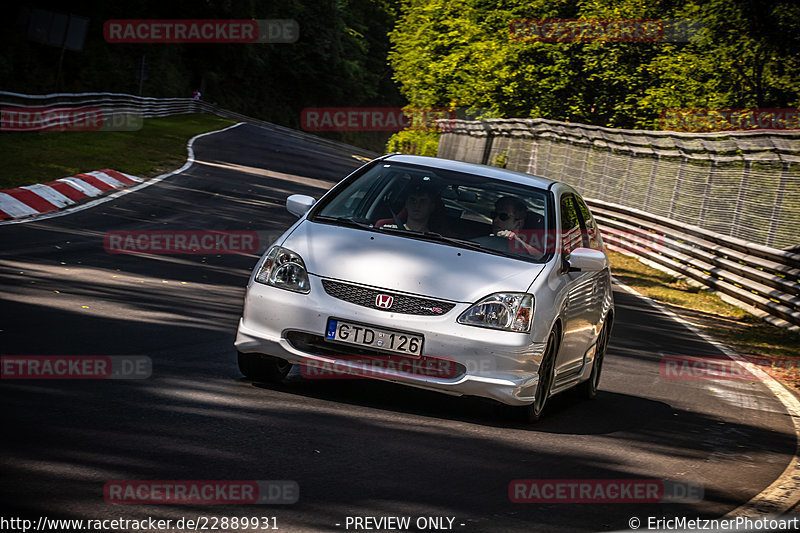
{"points": [[110, 104], [759, 276], [741, 184], [117, 105], [713, 207]]}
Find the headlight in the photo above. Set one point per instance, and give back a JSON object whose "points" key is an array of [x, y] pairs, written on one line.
{"points": [[511, 311], [284, 269]]}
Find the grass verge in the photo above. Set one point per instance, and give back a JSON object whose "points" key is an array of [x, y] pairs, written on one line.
{"points": [[160, 146], [747, 334]]}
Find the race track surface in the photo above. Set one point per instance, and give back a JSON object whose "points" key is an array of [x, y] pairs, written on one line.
{"points": [[355, 447]]}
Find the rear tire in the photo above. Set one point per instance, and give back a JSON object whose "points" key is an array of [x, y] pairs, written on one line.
{"points": [[588, 389], [533, 412], [260, 367]]}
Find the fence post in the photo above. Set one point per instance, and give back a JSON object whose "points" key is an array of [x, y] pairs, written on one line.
{"points": [[604, 174], [581, 177], [626, 180], [531, 140], [775, 221], [707, 193], [737, 211], [487, 147], [547, 161], [676, 189]]}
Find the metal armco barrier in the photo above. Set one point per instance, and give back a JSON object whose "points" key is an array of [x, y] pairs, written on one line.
{"points": [[714, 207], [111, 104], [760, 276], [741, 184]]}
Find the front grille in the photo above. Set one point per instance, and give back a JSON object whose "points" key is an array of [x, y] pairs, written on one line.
{"points": [[408, 305]]}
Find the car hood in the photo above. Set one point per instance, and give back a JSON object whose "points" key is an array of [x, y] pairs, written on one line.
{"points": [[403, 264]]}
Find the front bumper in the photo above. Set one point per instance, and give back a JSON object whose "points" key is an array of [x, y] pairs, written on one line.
{"points": [[493, 364]]}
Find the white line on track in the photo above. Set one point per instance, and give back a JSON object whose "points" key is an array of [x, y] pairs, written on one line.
{"points": [[784, 492]]}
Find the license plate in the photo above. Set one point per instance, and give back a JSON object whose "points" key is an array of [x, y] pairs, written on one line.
{"points": [[370, 337]]}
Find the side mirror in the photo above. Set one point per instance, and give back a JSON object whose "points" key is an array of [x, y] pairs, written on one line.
{"points": [[299, 204], [587, 260]]}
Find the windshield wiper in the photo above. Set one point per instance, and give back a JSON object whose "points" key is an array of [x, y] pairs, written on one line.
{"points": [[455, 242], [428, 235], [344, 221], [438, 237]]}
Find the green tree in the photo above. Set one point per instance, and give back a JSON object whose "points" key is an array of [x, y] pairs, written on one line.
{"points": [[739, 53], [339, 60]]}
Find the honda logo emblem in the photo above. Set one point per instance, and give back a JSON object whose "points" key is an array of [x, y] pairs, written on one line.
{"points": [[384, 301]]}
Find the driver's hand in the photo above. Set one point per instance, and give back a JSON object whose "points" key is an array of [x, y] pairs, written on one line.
{"points": [[516, 243]]}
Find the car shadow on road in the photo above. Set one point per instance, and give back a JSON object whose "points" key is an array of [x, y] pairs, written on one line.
{"points": [[566, 413]]}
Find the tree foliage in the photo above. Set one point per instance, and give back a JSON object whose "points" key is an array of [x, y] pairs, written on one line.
{"points": [[459, 53], [339, 60], [439, 53]]}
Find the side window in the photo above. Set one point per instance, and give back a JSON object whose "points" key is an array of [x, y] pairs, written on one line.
{"points": [[593, 238], [570, 225]]}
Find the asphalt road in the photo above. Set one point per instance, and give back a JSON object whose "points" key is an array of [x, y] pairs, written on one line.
{"points": [[356, 448]]}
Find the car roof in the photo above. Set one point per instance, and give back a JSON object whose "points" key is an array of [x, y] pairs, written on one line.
{"points": [[472, 168]]}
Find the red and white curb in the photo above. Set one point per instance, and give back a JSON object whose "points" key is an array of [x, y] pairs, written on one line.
{"points": [[45, 197], [22, 219]]}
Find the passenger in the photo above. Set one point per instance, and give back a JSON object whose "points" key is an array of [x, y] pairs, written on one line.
{"points": [[508, 219]]}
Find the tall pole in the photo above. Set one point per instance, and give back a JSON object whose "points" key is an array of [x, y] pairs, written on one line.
{"points": [[141, 76], [60, 63]]}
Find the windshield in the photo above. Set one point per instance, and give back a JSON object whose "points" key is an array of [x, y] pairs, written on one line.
{"points": [[435, 204]]}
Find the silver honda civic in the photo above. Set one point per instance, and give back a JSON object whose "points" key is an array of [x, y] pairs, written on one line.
{"points": [[452, 277]]}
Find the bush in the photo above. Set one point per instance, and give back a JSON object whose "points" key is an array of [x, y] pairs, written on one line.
{"points": [[414, 141]]}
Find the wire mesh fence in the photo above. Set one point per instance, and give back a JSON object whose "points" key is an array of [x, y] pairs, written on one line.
{"points": [[740, 184]]}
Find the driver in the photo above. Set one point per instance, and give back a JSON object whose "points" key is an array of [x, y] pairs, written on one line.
{"points": [[422, 205]]}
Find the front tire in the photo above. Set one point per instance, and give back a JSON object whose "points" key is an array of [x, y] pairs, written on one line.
{"points": [[533, 412], [588, 389], [260, 367]]}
